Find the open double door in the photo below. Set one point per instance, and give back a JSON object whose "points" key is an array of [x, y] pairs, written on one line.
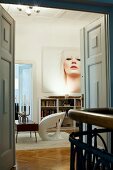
{"points": [[94, 53]]}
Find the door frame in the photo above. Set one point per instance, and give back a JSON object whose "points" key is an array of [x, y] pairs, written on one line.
{"points": [[31, 97], [97, 7], [34, 108], [88, 6]]}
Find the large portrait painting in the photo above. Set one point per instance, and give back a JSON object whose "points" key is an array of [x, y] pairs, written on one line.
{"points": [[61, 71]]}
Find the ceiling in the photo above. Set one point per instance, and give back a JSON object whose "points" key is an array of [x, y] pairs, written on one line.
{"points": [[50, 14]]}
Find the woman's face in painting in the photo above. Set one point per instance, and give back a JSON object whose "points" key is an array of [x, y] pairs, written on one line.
{"points": [[72, 66]]}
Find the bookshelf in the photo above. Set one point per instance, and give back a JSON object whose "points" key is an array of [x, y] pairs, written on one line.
{"points": [[48, 106], [54, 104]]}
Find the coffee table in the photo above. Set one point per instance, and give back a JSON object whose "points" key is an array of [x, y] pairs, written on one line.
{"points": [[26, 126]]}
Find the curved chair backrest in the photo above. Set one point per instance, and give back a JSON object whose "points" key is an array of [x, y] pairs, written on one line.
{"points": [[50, 121]]}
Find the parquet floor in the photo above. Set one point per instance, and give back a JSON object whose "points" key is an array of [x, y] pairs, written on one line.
{"points": [[47, 159]]}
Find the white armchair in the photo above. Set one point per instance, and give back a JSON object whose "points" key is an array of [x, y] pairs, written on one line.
{"points": [[51, 121]]}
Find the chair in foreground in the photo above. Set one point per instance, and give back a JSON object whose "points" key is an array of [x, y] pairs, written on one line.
{"points": [[51, 121]]}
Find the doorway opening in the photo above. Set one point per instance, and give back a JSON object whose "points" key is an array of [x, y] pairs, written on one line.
{"points": [[49, 29], [47, 32], [23, 89], [31, 53]]}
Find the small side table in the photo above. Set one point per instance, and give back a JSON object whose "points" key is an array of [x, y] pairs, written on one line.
{"points": [[26, 126]]}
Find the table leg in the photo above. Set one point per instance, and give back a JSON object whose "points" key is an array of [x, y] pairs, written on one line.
{"points": [[30, 134], [16, 136], [35, 136]]}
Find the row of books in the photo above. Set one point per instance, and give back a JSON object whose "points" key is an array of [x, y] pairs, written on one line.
{"points": [[51, 111], [63, 102], [48, 103], [47, 112]]}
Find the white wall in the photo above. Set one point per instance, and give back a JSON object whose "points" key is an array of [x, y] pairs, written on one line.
{"points": [[31, 36]]}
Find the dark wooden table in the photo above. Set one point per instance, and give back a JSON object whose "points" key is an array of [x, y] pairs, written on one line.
{"points": [[26, 126]]}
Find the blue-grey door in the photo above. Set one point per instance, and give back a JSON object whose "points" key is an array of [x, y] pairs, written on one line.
{"points": [[7, 142], [96, 64]]}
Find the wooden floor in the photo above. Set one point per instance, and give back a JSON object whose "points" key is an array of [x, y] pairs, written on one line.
{"points": [[44, 159], [47, 159]]}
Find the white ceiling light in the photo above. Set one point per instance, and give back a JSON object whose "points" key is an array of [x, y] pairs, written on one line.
{"points": [[36, 9], [29, 10], [19, 7]]}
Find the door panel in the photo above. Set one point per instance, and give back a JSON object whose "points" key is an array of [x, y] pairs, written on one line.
{"points": [[7, 140], [95, 60], [94, 73], [94, 41], [6, 105], [6, 34]]}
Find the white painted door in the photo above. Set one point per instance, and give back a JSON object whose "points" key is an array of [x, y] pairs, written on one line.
{"points": [[7, 142], [95, 64]]}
